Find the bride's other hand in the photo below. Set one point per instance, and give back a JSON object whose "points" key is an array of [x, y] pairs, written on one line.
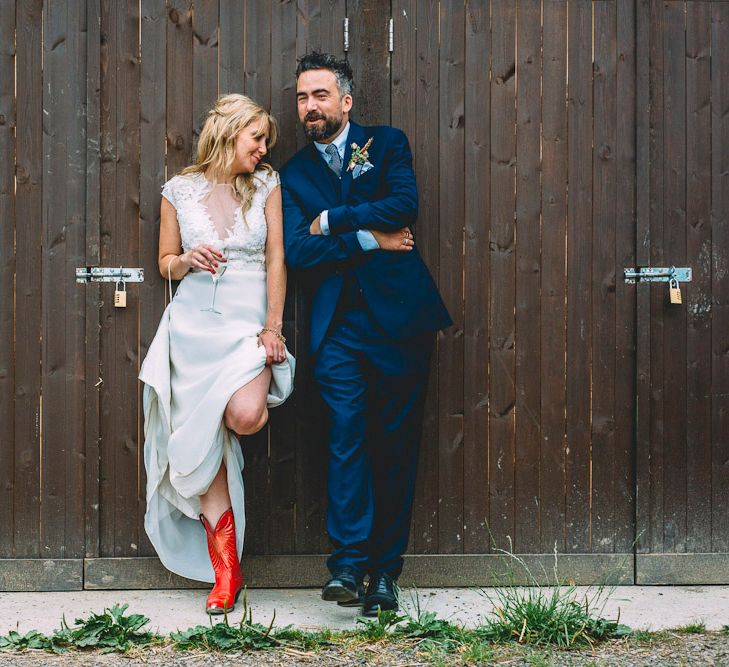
{"points": [[204, 257], [275, 349], [399, 241]]}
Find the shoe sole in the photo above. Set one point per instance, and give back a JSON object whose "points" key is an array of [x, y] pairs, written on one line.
{"points": [[338, 594], [219, 611]]}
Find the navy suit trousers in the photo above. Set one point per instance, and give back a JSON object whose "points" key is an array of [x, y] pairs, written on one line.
{"points": [[374, 387]]}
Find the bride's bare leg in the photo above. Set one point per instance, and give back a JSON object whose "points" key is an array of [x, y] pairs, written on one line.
{"points": [[246, 413], [216, 500]]}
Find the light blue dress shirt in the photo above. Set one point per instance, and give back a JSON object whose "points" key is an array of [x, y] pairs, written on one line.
{"points": [[365, 237]]}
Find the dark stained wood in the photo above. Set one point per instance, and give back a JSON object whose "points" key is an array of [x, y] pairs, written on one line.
{"points": [[64, 304], [423, 41], [92, 397], [41, 574], [320, 26], [643, 180], [152, 293], [477, 204], [720, 277], [232, 35], [674, 239], [528, 314], [121, 455], [579, 274], [625, 295], [697, 295], [604, 169], [256, 448], [370, 60], [29, 171], [553, 285], [7, 268], [451, 212], [283, 419], [179, 85], [205, 26], [657, 293], [503, 269]]}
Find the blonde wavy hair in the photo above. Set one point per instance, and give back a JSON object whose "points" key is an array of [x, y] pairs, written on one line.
{"points": [[216, 147]]}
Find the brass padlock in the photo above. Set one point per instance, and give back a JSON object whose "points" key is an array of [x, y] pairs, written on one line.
{"points": [[120, 295], [674, 291]]}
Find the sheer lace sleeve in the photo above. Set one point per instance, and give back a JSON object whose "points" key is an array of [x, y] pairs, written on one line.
{"points": [[268, 182], [168, 191]]}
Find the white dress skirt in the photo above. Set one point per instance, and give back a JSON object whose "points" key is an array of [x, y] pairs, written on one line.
{"points": [[195, 363]]}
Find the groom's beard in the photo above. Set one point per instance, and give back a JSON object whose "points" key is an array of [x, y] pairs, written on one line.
{"points": [[318, 132]]}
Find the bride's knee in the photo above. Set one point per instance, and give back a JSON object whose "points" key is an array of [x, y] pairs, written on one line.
{"points": [[246, 421]]}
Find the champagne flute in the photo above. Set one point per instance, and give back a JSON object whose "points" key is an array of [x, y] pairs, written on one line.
{"points": [[216, 275]]}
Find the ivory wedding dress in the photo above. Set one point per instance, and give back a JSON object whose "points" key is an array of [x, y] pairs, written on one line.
{"points": [[197, 361]]}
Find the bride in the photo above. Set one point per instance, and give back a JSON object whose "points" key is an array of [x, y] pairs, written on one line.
{"points": [[218, 361]]}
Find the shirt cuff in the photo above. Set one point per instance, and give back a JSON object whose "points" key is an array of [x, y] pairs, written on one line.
{"points": [[366, 239], [324, 222]]}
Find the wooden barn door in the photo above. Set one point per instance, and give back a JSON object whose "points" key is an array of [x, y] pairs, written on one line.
{"points": [[683, 350]]}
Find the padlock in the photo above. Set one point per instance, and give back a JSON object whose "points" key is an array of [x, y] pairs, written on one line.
{"points": [[674, 291], [120, 295]]}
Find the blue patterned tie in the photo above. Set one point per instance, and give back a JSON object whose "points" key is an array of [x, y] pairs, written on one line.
{"points": [[336, 162]]}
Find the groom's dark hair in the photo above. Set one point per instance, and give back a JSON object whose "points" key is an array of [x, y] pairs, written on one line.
{"points": [[340, 68]]}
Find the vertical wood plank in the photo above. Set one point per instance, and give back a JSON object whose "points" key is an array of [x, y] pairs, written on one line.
{"points": [[698, 292], [625, 253], [720, 277], [643, 214], [503, 269], [153, 73], [256, 448], [179, 85], [477, 288], [28, 276], [283, 420], [579, 274], [205, 25], [451, 213], [370, 60], [674, 317], [553, 287], [425, 524], [604, 168], [657, 294], [232, 36], [64, 239], [7, 270], [121, 492], [528, 251], [92, 398]]}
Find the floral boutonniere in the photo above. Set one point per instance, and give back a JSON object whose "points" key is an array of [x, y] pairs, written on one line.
{"points": [[359, 155]]}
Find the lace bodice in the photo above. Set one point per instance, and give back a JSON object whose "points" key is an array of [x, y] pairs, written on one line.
{"points": [[244, 243]]}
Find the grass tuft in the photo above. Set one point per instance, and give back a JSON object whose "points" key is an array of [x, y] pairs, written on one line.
{"points": [[694, 628]]}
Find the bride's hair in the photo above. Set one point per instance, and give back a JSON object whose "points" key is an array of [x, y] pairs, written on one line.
{"points": [[216, 146]]}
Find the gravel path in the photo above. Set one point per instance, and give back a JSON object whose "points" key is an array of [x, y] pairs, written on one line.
{"points": [[671, 650]]}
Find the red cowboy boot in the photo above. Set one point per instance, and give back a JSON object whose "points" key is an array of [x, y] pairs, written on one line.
{"points": [[224, 557]]}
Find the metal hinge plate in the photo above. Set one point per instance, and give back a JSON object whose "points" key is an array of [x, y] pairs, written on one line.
{"points": [[98, 274], [652, 274]]}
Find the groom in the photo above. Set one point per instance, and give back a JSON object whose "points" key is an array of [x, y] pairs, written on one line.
{"points": [[350, 201]]}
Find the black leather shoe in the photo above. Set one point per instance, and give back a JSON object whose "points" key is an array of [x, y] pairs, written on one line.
{"points": [[343, 586], [358, 601], [381, 595]]}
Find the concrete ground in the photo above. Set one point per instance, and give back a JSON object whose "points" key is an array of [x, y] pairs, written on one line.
{"points": [[640, 607]]}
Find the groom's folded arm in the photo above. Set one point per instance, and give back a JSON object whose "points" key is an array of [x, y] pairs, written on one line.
{"points": [[304, 250], [397, 210]]}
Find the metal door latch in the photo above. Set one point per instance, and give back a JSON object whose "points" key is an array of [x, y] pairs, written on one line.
{"points": [[98, 274], [650, 274]]}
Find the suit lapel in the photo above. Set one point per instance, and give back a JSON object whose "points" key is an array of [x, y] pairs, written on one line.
{"points": [[356, 135], [321, 174]]}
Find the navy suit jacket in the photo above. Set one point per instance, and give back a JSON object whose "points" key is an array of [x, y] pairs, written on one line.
{"points": [[396, 286]]}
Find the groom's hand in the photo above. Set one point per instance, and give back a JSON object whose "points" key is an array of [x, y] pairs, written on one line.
{"points": [[399, 241], [315, 227]]}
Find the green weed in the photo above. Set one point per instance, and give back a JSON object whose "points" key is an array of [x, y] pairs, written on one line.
{"points": [[14, 641], [694, 628]]}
